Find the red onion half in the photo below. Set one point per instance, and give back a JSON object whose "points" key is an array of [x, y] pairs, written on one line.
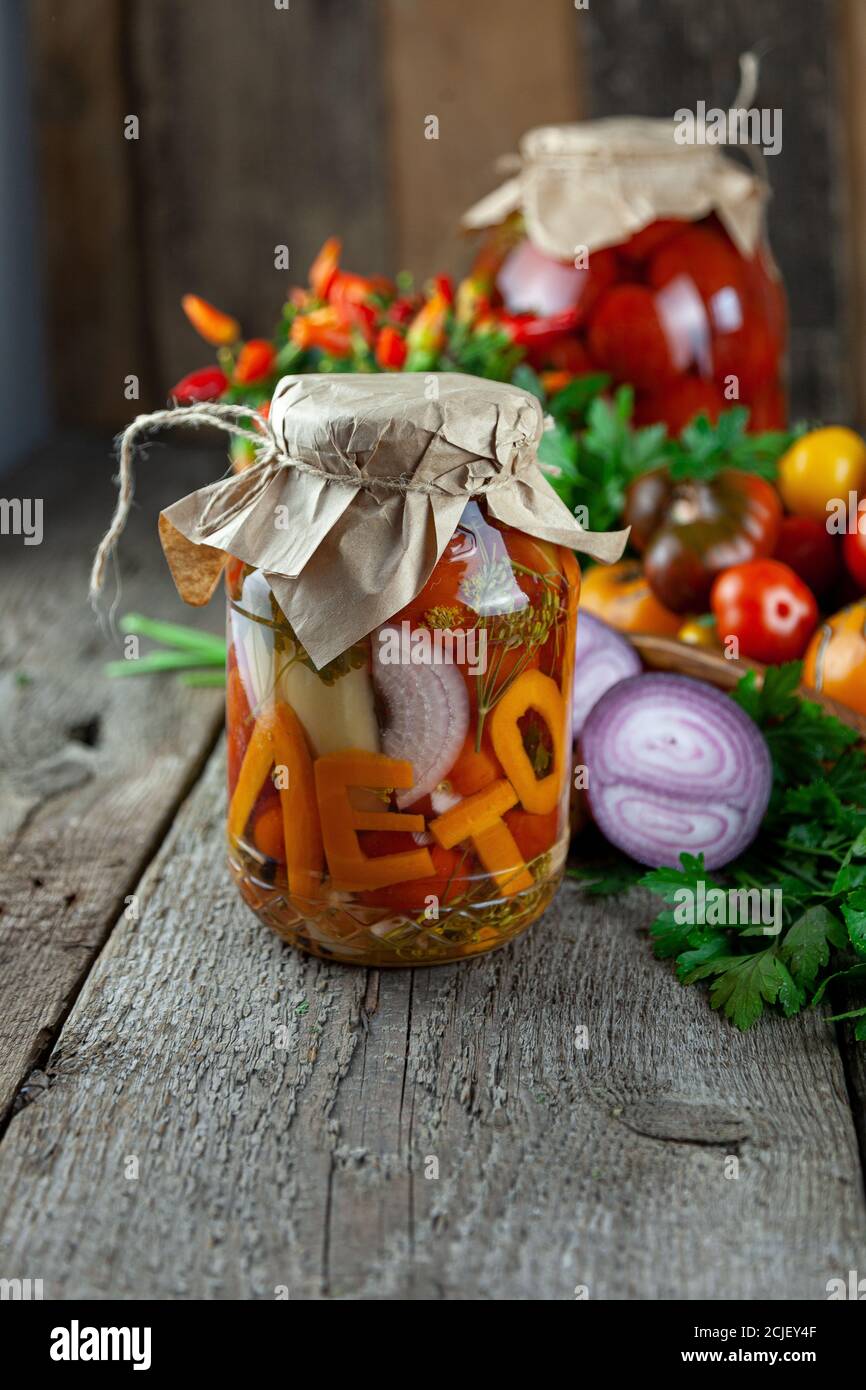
{"points": [[428, 718], [674, 766], [602, 657]]}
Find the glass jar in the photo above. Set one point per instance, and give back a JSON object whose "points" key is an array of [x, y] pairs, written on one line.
{"points": [[689, 308], [407, 804]]}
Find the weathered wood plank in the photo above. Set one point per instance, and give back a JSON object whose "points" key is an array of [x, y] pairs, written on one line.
{"points": [[299, 1161], [90, 769], [487, 72], [261, 126], [652, 59], [93, 288], [852, 50]]}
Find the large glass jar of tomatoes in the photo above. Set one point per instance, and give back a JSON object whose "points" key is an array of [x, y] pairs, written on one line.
{"points": [[617, 249]]}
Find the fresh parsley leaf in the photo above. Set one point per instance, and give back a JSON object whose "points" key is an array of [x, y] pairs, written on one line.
{"points": [[805, 947], [854, 912]]}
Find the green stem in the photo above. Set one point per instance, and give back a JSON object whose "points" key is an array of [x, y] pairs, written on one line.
{"points": [[174, 635]]}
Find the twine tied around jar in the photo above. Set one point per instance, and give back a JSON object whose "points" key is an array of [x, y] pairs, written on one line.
{"points": [[411, 450], [268, 450]]}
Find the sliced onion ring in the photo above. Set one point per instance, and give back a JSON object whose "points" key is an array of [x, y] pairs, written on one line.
{"points": [[673, 766], [428, 718], [602, 657]]}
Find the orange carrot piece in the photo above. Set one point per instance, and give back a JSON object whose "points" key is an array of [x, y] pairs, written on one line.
{"points": [[498, 851], [301, 829], [474, 813], [258, 761], [479, 819], [350, 869]]}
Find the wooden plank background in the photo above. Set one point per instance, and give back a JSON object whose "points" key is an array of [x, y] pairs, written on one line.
{"points": [[223, 1117], [262, 126]]}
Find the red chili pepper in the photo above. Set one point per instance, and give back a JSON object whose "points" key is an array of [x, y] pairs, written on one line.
{"points": [[402, 310], [390, 348], [204, 385], [444, 286], [324, 267], [255, 361], [526, 330]]}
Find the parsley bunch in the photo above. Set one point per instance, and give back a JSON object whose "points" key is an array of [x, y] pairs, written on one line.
{"points": [[812, 847]]}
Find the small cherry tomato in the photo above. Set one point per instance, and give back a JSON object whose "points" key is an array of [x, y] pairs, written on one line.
{"points": [[823, 465], [809, 550], [767, 608], [621, 595], [854, 549], [700, 632], [835, 663]]}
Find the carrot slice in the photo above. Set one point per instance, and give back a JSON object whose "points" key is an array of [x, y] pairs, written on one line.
{"points": [[301, 829], [531, 690], [258, 761], [479, 819], [350, 869], [497, 849], [474, 813], [278, 738]]}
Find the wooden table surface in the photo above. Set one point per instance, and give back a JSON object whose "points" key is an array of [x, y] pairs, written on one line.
{"points": [[193, 1110]]}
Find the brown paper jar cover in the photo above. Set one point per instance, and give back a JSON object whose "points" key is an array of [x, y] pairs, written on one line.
{"points": [[358, 490]]}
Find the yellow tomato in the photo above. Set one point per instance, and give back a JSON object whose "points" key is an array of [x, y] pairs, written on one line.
{"points": [[696, 633], [835, 663], [621, 596], [824, 464]]}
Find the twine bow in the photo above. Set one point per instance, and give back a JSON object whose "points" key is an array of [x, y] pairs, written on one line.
{"points": [[268, 449]]}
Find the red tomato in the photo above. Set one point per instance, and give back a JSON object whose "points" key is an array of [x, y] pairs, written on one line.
{"points": [[627, 338], [809, 550], [677, 404], [767, 608], [749, 353], [706, 257], [650, 238], [568, 355], [767, 409], [854, 551]]}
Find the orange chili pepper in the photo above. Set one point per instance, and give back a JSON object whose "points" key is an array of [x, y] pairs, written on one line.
{"points": [[324, 267], [322, 329], [425, 336], [210, 323], [255, 361]]}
